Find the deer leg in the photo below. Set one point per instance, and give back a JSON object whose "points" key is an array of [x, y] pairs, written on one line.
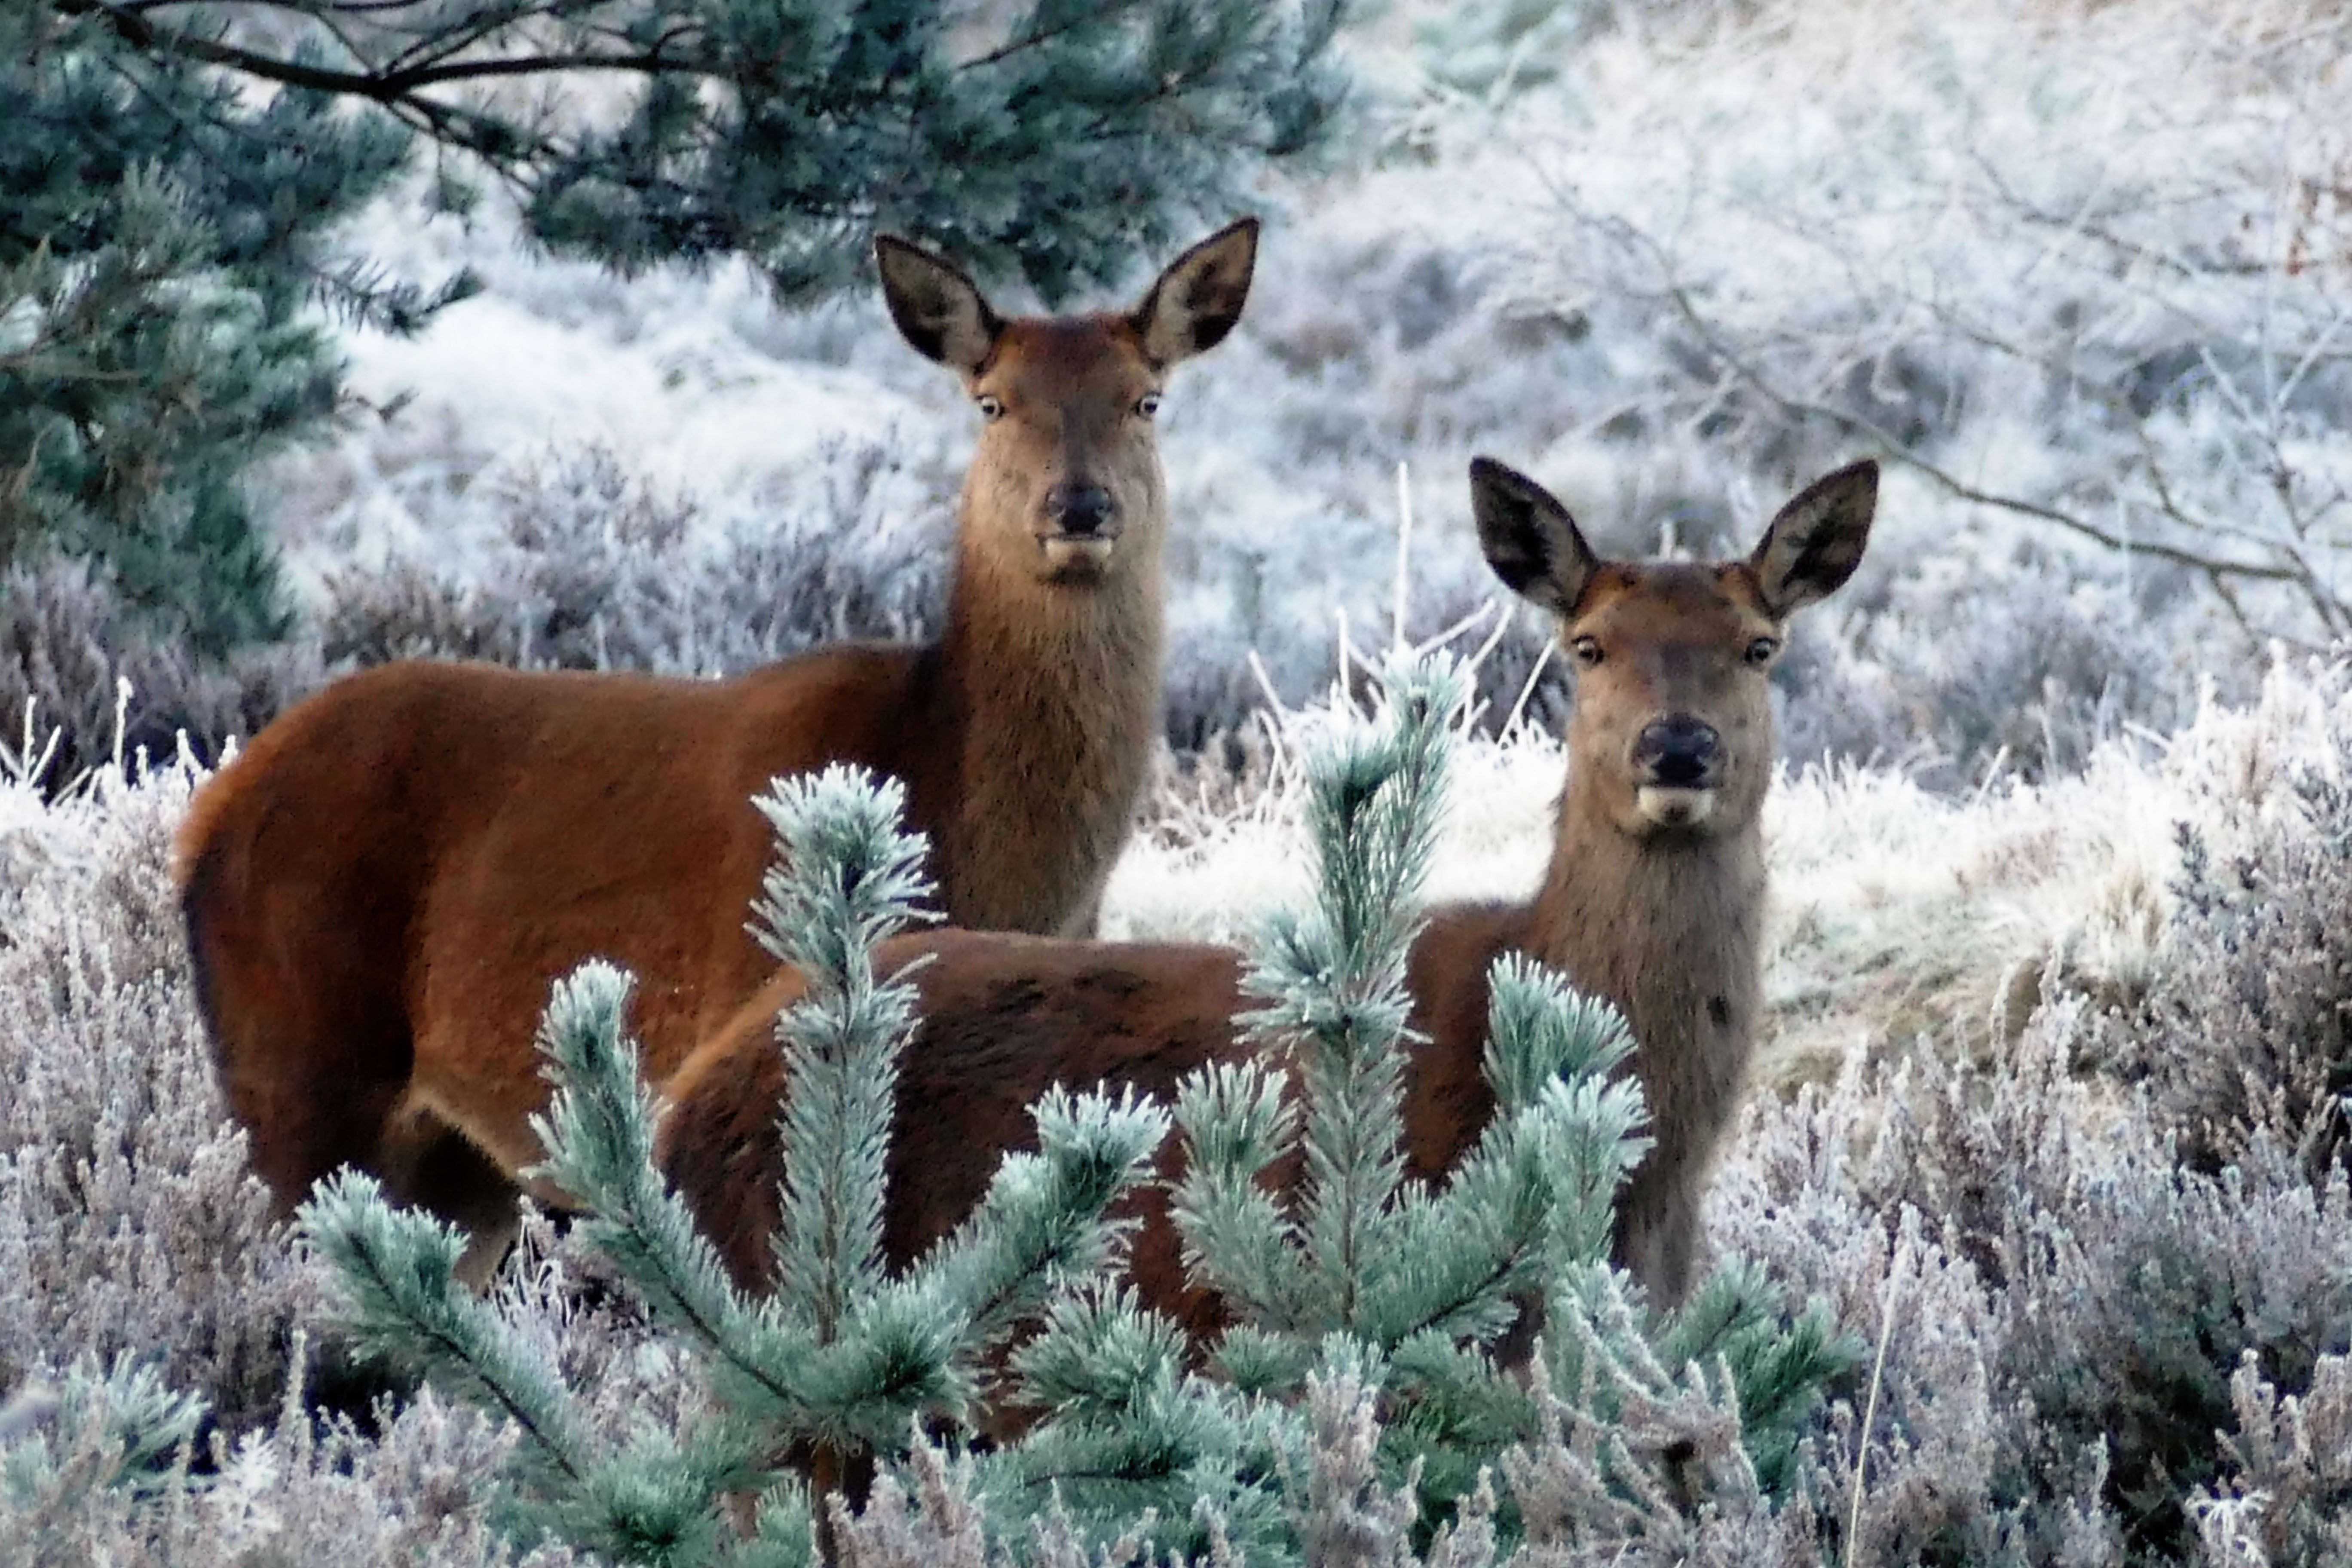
{"points": [[1657, 1234], [426, 1163], [307, 1110]]}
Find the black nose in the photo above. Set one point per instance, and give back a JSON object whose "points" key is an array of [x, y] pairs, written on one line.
{"points": [[1678, 752], [1080, 509]]}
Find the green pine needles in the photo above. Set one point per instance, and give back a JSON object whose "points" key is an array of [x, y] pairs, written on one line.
{"points": [[177, 179], [1435, 1330], [113, 1427], [1361, 1251], [160, 236], [1050, 138], [844, 1358]]}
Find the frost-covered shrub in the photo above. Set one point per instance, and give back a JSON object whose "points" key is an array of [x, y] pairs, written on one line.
{"points": [[595, 568], [108, 1474], [2064, 1305], [2247, 1032], [590, 567], [1964, 666], [130, 1223], [2079, 269], [67, 639], [2289, 1496]]}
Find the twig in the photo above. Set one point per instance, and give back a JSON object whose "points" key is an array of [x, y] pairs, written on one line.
{"points": [[1519, 708], [382, 87], [1870, 1405], [1404, 551]]}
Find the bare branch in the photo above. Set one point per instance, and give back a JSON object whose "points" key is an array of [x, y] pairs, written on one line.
{"points": [[386, 86]]}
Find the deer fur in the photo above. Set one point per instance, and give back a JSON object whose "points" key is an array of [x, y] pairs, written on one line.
{"points": [[1654, 899], [381, 889]]}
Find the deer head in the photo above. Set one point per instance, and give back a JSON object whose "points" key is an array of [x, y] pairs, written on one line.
{"points": [[1671, 732], [1065, 483]]}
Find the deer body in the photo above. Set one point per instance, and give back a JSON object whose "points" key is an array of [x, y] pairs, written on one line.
{"points": [[1654, 899], [381, 889]]}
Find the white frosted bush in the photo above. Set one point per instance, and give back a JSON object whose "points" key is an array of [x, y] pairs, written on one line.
{"points": [[2064, 1306], [68, 640], [129, 1220], [587, 565], [298, 1497]]}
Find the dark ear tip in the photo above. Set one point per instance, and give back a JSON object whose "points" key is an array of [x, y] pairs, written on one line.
{"points": [[1241, 231], [1239, 235], [891, 252], [1492, 481], [1486, 471]]}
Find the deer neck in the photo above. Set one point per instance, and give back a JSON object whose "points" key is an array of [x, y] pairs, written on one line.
{"points": [[1670, 929], [1052, 693]]}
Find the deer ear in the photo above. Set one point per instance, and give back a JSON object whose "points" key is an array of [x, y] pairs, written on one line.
{"points": [[1529, 540], [1817, 540], [937, 309], [1197, 301]]}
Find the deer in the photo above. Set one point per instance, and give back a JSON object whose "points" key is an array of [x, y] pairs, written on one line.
{"points": [[380, 889], [1654, 899]]}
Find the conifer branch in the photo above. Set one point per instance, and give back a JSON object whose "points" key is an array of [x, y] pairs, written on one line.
{"points": [[397, 1270]]}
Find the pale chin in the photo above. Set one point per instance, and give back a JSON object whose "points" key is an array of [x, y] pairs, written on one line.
{"points": [[1077, 557], [1661, 806]]}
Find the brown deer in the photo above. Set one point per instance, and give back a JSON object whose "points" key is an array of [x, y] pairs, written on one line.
{"points": [[1655, 899], [380, 890]]}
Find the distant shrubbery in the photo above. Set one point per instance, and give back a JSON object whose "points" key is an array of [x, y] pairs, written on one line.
{"points": [[591, 569]]}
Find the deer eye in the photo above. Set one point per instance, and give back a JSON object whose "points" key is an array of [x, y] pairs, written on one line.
{"points": [[1761, 650], [991, 406], [1587, 651], [1147, 404]]}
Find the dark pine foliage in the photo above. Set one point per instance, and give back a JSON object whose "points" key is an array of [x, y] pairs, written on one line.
{"points": [[174, 172]]}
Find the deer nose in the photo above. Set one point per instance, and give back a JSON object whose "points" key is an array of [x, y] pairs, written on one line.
{"points": [[1080, 510], [1678, 752]]}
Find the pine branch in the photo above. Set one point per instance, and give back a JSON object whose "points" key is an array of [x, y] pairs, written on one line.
{"points": [[1041, 1224], [386, 86], [1336, 978], [845, 879], [599, 1136], [397, 1274], [1238, 1122]]}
